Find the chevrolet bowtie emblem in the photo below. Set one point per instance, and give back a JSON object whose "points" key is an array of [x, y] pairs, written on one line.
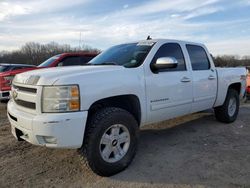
{"points": [[15, 94]]}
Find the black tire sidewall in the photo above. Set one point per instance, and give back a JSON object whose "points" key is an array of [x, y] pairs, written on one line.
{"points": [[93, 153]]}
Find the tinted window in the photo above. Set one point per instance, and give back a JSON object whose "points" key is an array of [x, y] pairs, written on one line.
{"points": [[171, 50], [4, 68], [84, 60], [198, 57], [70, 61]]}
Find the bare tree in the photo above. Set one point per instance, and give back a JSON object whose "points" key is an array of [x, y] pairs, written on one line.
{"points": [[231, 61], [35, 53]]}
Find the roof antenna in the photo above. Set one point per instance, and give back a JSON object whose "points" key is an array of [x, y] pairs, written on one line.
{"points": [[149, 38]]}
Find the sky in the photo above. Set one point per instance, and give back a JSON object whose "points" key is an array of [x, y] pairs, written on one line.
{"points": [[223, 25]]}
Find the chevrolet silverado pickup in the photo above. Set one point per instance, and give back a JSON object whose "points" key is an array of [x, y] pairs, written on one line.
{"points": [[64, 59], [99, 108]]}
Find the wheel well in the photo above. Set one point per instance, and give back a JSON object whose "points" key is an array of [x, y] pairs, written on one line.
{"points": [[130, 103], [236, 87]]}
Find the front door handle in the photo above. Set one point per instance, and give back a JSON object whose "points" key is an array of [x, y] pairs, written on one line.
{"points": [[185, 79], [211, 77]]}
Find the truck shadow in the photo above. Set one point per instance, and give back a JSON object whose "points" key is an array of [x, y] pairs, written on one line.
{"points": [[199, 152]]}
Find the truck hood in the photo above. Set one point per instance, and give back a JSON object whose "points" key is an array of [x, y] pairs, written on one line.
{"points": [[49, 76]]}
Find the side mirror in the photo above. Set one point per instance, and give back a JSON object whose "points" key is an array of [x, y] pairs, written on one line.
{"points": [[164, 63]]}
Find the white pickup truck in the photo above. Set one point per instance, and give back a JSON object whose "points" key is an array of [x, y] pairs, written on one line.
{"points": [[100, 107]]}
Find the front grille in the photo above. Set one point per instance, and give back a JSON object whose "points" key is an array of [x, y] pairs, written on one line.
{"points": [[25, 89], [25, 96], [26, 104], [6, 94]]}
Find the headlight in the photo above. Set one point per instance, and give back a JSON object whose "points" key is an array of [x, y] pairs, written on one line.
{"points": [[60, 99], [8, 80]]}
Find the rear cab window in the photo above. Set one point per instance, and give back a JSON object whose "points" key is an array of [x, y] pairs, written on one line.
{"points": [[70, 61], [75, 60], [198, 57]]}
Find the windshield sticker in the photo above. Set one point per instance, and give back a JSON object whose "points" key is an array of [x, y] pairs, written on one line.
{"points": [[145, 43]]}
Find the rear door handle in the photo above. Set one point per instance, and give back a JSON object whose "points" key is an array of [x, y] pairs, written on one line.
{"points": [[185, 79], [211, 77]]}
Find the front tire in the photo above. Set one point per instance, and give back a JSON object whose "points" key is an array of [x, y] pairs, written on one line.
{"points": [[228, 112], [110, 141]]}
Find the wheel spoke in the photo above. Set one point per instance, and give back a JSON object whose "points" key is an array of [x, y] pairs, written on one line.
{"points": [[106, 152], [232, 106], [234, 103], [124, 137], [230, 103], [106, 139], [118, 152], [115, 131]]}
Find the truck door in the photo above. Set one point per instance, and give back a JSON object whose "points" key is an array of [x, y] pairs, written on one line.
{"points": [[169, 91], [204, 78]]}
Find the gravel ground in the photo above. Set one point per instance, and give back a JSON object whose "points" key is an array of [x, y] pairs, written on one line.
{"points": [[192, 151]]}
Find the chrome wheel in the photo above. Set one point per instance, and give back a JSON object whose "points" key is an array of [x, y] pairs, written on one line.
{"points": [[232, 107], [114, 143]]}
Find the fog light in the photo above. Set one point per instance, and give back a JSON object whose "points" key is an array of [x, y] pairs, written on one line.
{"points": [[50, 139]]}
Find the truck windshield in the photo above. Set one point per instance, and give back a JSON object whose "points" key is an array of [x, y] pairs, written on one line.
{"points": [[49, 61], [127, 55]]}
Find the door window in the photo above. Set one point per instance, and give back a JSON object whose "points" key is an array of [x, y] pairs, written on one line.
{"points": [[198, 57], [171, 50]]}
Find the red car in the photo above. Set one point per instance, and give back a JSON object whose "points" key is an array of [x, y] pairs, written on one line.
{"points": [[248, 87], [65, 59]]}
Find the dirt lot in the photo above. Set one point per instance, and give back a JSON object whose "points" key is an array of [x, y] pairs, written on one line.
{"points": [[199, 152]]}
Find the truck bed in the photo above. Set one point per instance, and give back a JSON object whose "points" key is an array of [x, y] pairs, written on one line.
{"points": [[226, 76]]}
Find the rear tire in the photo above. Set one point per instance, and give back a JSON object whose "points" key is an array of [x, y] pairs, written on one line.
{"points": [[110, 123], [228, 112]]}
